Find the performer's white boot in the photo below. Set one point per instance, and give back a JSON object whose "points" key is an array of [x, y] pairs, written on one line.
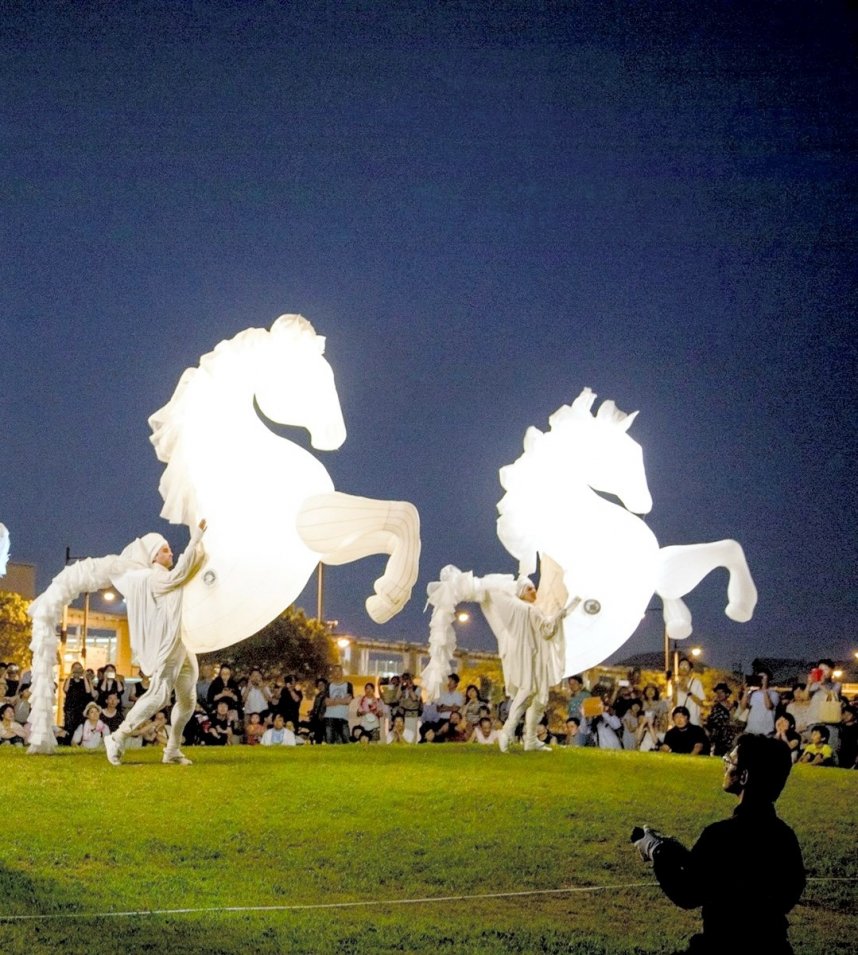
{"points": [[113, 748], [531, 721]]}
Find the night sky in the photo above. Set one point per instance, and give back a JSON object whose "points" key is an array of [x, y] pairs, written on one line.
{"points": [[484, 208]]}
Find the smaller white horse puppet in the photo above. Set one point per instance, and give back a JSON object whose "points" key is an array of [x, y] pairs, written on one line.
{"points": [[271, 507], [610, 560]]}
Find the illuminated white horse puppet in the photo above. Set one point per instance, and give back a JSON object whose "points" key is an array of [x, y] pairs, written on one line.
{"points": [[609, 561], [271, 507]]}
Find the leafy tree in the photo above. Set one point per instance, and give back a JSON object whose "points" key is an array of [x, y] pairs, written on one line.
{"points": [[16, 630], [292, 644]]}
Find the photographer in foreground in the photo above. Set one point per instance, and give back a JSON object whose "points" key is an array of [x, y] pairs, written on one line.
{"points": [[746, 871]]}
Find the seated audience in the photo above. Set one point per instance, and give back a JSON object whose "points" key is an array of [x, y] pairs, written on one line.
{"points": [[471, 707], [399, 732], [111, 712], [484, 733], [280, 734], [818, 751], [451, 700], [785, 732], [684, 737], [224, 687], [254, 730], [12, 733], [157, 731], [573, 732], [219, 732], [91, 732]]}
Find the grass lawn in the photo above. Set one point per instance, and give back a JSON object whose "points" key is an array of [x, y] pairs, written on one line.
{"points": [[322, 825]]}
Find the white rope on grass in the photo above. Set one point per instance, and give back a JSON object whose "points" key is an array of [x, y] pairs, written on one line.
{"points": [[366, 903]]}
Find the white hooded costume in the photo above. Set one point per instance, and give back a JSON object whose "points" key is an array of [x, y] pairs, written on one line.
{"points": [[530, 641], [153, 597]]}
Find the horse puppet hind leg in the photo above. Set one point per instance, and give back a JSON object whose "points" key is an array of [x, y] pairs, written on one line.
{"points": [[683, 566], [342, 528]]}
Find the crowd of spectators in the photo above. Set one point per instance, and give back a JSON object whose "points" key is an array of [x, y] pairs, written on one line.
{"points": [[812, 718]]}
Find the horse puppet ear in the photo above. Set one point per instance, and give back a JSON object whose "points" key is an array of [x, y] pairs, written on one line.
{"points": [[626, 422], [609, 412]]}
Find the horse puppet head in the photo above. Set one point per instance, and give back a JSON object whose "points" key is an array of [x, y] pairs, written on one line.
{"points": [[282, 372]]}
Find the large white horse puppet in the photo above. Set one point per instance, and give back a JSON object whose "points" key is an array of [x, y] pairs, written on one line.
{"points": [[271, 507], [610, 560]]}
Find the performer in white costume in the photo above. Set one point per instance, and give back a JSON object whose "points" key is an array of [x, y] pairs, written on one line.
{"points": [[532, 653], [528, 629], [154, 599]]}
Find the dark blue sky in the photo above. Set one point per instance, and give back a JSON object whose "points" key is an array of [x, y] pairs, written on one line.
{"points": [[484, 208]]}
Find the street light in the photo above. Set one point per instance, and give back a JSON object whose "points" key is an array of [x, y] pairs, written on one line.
{"points": [[463, 616], [696, 651]]}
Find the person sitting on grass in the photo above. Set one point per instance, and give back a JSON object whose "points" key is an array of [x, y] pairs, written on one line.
{"points": [[818, 752], [458, 730], [399, 732], [111, 712], [280, 734], [157, 731], [484, 734], [684, 737], [11, 732], [573, 733], [543, 735], [473, 703], [786, 733], [91, 732], [219, 732], [254, 730]]}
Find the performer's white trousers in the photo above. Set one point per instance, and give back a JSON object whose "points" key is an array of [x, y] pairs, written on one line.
{"points": [[527, 702], [179, 673]]}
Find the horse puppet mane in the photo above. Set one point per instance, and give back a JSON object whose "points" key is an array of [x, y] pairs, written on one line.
{"points": [[228, 372]]}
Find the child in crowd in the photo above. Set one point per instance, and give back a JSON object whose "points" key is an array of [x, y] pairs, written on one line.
{"points": [[255, 730], [369, 713], [280, 734], [818, 752]]}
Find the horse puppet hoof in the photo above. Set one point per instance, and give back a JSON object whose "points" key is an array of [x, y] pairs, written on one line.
{"points": [[741, 613], [381, 608]]}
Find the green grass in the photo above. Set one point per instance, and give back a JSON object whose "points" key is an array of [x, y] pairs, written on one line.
{"points": [[254, 827]]}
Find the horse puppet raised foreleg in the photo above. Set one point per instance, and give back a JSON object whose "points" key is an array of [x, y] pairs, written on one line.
{"points": [[342, 528], [681, 569]]}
